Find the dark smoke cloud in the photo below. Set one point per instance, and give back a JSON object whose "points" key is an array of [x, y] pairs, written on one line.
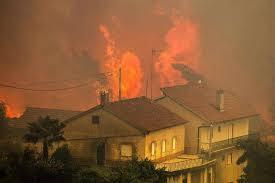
{"points": [[58, 40]]}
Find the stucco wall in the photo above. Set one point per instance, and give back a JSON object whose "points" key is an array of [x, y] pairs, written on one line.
{"points": [[108, 126], [191, 128], [228, 172], [166, 134]]}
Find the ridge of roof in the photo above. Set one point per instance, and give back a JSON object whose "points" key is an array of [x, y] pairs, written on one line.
{"points": [[131, 110]]}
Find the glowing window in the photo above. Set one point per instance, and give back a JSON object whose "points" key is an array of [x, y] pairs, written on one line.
{"points": [[126, 150], [163, 146], [153, 148], [174, 142]]}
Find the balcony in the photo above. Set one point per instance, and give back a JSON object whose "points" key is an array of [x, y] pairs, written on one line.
{"points": [[216, 146], [183, 162]]}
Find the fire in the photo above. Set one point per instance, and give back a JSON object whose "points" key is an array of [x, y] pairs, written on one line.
{"points": [[129, 63], [181, 48], [11, 111]]}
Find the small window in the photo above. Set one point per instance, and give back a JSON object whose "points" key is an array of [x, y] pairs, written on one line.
{"points": [[95, 119], [126, 151], [219, 128], [153, 148], [163, 146], [174, 143], [229, 159]]}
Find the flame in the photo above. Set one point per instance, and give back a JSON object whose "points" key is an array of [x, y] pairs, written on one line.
{"points": [[129, 63], [181, 48], [11, 111]]}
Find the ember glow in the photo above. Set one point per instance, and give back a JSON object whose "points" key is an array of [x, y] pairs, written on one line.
{"points": [[182, 47], [12, 111], [129, 63]]}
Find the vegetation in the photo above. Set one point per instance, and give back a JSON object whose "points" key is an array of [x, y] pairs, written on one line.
{"points": [[134, 171], [47, 131], [260, 158]]}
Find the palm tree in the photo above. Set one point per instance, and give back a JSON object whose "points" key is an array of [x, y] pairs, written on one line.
{"points": [[46, 131]]}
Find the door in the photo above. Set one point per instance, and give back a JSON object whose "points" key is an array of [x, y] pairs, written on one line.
{"points": [[100, 154]]}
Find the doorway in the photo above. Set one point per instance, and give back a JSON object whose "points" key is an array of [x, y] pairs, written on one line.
{"points": [[100, 153]]}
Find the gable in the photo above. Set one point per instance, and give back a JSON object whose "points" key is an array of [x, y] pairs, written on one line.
{"points": [[108, 126]]}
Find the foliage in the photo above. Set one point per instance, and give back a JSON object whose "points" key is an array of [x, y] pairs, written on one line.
{"points": [[3, 112], [134, 171], [93, 174], [29, 167], [47, 131], [260, 158], [138, 172]]}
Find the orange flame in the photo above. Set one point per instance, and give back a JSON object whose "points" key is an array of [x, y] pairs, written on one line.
{"points": [[182, 48], [129, 63], [11, 111]]}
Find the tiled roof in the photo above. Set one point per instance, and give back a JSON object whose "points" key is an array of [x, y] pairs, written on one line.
{"points": [[140, 113], [201, 100], [31, 114]]}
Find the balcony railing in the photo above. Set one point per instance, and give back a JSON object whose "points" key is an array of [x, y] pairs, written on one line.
{"points": [[215, 146], [181, 165]]}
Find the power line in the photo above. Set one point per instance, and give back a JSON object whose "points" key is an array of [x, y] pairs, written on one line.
{"points": [[43, 90]]}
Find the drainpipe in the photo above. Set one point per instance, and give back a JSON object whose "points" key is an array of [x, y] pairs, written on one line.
{"points": [[210, 140]]}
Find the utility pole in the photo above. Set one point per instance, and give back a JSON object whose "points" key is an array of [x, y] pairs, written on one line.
{"points": [[146, 89], [120, 84], [154, 53]]}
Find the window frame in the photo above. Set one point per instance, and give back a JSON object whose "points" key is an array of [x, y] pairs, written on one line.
{"points": [[95, 122], [174, 143], [126, 157], [153, 153], [231, 158]]}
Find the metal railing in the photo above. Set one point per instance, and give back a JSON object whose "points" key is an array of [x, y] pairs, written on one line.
{"points": [[215, 146], [181, 165]]}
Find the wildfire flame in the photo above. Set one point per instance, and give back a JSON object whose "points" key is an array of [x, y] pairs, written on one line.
{"points": [[129, 63], [182, 48], [11, 111]]}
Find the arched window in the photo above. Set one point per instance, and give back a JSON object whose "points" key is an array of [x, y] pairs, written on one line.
{"points": [[163, 146], [174, 143], [153, 148]]}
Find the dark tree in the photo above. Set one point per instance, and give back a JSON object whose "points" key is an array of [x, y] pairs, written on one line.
{"points": [[46, 131], [260, 159]]}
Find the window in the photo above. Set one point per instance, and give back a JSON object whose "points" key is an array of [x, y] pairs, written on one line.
{"points": [[126, 151], [219, 128], [174, 142], [163, 146], [95, 119], [229, 159], [153, 148]]}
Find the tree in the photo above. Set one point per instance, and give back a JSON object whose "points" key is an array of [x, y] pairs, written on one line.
{"points": [[46, 131], [3, 113], [260, 161]]}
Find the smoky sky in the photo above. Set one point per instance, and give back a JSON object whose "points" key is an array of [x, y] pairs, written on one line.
{"points": [[59, 41]]}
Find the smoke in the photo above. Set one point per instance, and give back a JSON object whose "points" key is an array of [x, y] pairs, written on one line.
{"points": [[44, 41]]}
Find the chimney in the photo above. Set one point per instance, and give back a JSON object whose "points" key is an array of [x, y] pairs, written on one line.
{"points": [[220, 100], [104, 97]]}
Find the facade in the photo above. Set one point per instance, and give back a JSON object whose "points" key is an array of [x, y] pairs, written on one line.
{"points": [[217, 120], [117, 131]]}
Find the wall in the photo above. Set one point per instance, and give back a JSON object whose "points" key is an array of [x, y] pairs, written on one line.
{"points": [[109, 126], [165, 134], [191, 138], [228, 172]]}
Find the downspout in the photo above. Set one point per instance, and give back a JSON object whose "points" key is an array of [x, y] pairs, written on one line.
{"points": [[210, 140]]}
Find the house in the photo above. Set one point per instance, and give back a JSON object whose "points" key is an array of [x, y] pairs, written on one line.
{"points": [[114, 132], [17, 127], [217, 119]]}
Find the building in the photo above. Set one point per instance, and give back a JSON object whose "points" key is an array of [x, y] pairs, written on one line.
{"points": [[113, 132], [217, 119], [17, 127]]}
